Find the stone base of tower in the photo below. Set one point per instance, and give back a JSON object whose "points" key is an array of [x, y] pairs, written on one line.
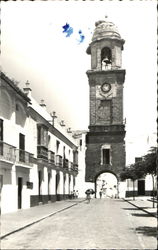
{"points": [[95, 141]]}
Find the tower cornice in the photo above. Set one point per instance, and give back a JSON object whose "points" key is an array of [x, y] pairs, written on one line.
{"points": [[111, 39], [105, 72], [118, 74]]}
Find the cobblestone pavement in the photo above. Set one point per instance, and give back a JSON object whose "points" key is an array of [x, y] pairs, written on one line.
{"points": [[102, 224]]}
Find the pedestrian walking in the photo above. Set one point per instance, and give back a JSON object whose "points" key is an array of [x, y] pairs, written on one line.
{"points": [[115, 191], [100, 194], [88, 196], [74, 194], [77, 193]]}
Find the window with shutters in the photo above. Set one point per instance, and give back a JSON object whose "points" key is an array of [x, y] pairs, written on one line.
{"points": [[106, 156]]}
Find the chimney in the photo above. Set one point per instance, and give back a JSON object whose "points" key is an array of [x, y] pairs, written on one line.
{"points": [[42, 104], [27, 90], [69, 130], [54, 116], [62, 123]]}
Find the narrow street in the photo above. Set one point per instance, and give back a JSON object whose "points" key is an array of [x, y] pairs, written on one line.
{"points": [[104, 223]]}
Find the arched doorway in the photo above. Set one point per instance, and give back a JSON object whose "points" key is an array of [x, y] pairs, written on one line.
{"points": [[107, 183]]}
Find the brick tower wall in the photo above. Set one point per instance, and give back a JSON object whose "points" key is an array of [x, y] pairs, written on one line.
{"points": [[93, 155]]}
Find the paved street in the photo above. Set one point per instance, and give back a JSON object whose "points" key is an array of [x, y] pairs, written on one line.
{"points": [[104, 223]]}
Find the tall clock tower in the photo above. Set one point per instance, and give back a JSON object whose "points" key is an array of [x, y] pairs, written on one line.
{"points": [[105, 139]]}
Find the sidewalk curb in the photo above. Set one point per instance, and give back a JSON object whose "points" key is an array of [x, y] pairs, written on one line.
{"points": [[38, 220], [152, 201], [140, 208]]}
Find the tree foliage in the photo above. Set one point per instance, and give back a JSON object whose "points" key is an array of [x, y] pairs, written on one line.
{"points": [[150, 161], [128, 173], [141, 168]]}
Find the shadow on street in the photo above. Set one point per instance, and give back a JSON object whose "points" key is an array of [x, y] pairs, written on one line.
{"points": [[147, 231], [144, 215], [135, 208], [131, 208]]}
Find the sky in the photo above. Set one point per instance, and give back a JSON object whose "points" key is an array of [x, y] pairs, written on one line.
{"points": [[34, 47]]}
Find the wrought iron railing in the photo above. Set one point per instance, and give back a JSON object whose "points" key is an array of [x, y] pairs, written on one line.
{"points": [[66, 164], [42, 152], [75, 167], [58, 160], [51, 156], [24, 157], [71, 166], [7, 152]]}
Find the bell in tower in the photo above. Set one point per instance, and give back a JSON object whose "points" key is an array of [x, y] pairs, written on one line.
{"points": [[106, 46], [105, 140], [106, 58]]}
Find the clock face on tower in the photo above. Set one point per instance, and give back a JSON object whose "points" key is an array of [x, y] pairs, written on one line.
{"points": [[105, 87]]}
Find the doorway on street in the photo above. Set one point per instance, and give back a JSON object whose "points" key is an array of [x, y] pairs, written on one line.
{"points": [[69, 184], [39, 186], [106, 185], [20, 184], [141, 187], [64, 181], [49, 177], [57, 186]]}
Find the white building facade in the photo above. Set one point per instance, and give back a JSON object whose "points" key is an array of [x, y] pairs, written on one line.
{"points": [[146, 186], [38, 157], [81, 184]]}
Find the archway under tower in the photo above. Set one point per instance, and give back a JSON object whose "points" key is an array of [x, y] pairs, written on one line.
{"points": [[107, 183]]}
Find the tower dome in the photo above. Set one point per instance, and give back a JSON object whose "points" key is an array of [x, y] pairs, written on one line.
{"points": [[105, 29]]}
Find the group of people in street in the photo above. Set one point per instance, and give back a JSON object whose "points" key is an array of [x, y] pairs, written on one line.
{"points": [[74, 194], [89, 192]]}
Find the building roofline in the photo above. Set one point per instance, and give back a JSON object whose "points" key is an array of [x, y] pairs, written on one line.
{"points": [[13, 86], [54, 130]]}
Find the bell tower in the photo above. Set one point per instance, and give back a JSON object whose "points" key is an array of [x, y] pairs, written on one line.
{"points": [[105, 139]]}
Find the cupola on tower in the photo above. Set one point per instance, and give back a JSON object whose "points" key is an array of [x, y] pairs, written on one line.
{"points": [[105, 139]]}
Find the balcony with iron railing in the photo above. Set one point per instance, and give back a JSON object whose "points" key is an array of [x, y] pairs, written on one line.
{"points": [[71, 166], [24, 157], [59, 161], [75, 167], [51, 157], [65, 164], [42, 152], [7, 152]]}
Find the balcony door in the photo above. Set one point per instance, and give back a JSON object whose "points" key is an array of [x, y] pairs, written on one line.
{"points": [[141, 187], [22, 147]]}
